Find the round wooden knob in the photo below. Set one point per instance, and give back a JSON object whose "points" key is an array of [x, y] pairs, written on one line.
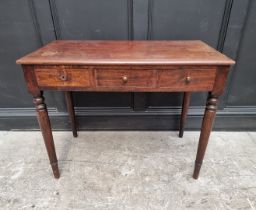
{"points": [[125, 79], [188, 79]]}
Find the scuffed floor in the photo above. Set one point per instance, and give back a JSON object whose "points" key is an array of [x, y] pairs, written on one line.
{"points": [[128, 170]]}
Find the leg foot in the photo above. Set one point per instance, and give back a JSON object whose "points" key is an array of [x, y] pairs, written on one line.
{"points": [[55, 170], [197, 170]]}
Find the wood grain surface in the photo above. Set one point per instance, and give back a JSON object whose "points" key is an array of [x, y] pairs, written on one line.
{"points": [[126, 52]]}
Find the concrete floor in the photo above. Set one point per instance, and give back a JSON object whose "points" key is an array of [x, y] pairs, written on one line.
{"points": [[128, 170]]}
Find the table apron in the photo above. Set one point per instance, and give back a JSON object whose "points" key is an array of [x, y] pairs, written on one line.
{"points": [[126, 79]]}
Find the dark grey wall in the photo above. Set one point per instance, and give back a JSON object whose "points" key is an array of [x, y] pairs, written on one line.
{"points": [[229, 26]]}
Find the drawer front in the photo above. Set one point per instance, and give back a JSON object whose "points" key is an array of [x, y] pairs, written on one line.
{"points": [[186, 80], [125, 78], [61, 77]]}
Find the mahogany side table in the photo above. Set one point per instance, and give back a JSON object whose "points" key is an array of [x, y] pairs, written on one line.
{"points": [[126, 66]]}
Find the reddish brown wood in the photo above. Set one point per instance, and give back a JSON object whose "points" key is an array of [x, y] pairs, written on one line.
{"points": [[30, 78], [187, 79], [62, 77], [122, 66], [126, 52], [71, 112], [45, 125], [125, 78], [209, 115], [220, 80], [184, 112]]}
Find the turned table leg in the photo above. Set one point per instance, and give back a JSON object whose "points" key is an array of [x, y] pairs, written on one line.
{"points": [[71, 112], [207, 124], [45, 125], [184, 112]]}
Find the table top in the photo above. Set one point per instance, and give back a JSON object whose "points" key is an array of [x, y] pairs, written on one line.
{"points": [[71, 52]]}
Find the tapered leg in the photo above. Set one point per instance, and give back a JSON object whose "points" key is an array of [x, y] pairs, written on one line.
{"points": [[207, 124], [184, 112], [45, 125], [71, 112]]}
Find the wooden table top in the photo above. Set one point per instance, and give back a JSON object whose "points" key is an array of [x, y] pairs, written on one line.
{"points": [[71, 52]]}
